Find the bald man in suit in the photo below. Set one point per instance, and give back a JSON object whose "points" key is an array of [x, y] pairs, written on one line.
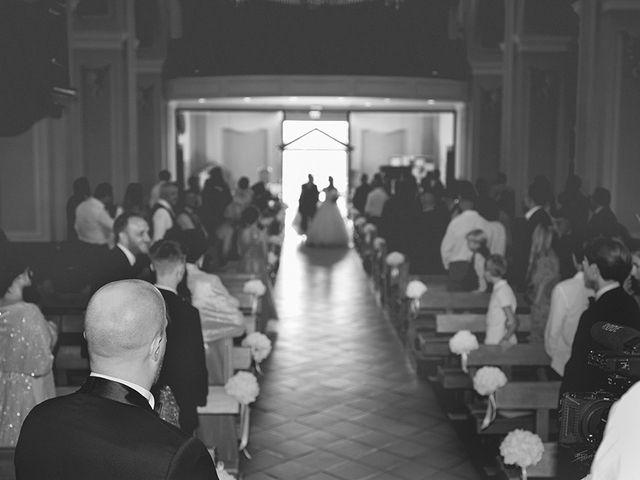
{"points": [[108, 428]]}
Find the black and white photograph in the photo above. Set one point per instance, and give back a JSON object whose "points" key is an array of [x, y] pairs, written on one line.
{"points": [[319, 239]]}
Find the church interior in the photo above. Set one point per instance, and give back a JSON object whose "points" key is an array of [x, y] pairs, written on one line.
{"points": [[535, 98]]}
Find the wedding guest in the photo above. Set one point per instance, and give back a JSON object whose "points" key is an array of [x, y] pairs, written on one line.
{"points": [[456, 256], [496, 233], [252, 244], [163, 216], [564, 242], [569, 299], [134, 200], [376, 200], [108, 428], [188, 218], [501, 315], [215, 198], [431, 223], [575, 205], [398, 219], [128, 258], [360, 195], [542, 276], [606, 266], [93, 224], [184, 368], [503, 195], [603, 221], [435, 183], [262, 196], [241, 199], [81, 191], [164, 176], [193, 185], [26, 358], [477, 242]]}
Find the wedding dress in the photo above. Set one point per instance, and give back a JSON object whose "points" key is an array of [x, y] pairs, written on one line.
{"points": [[327, 227]]}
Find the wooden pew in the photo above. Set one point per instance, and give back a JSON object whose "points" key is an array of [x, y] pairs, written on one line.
{"points": [[7, 469]]}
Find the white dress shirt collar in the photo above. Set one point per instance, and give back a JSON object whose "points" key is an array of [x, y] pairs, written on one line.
{"points": [[127, 253], [531, 211], [141, 390], [606, 289]]}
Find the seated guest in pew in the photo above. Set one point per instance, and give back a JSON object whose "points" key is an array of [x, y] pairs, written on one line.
{"points": [[454, 249], [569, 299], [477, 241], [108, 429], [128, 259], [252, 243], [606, 266], [184, 369], [26, 359], [501, 314]]}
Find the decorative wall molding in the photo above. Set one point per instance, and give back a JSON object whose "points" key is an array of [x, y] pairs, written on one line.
{"points": [[543, 43], [317, 85], [96, 40], [620, 6]]}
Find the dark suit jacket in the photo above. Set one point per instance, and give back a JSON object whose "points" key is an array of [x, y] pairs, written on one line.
{"points": [[115, 266], [105, 431], [184, 368], [308, 199], [615, 306]]}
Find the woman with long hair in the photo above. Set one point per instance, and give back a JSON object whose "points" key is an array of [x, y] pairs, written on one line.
{"points": [[542, 275]]}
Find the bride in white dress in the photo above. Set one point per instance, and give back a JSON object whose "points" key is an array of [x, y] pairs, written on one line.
{"points": [[327, 228]]}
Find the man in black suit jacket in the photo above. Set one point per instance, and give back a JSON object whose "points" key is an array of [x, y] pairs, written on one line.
{"points": [[128, 259], [184, 368], [307, 205], [606, 266], [603, 221], [108, 429]]}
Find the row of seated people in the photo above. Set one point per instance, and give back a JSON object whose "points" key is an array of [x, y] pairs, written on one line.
{"points": [[602, 290]]}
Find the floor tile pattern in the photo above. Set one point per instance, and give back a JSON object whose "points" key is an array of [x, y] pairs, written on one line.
{"points": [[338, 398]]}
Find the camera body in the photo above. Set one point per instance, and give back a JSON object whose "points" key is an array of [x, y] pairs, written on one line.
{"points": [[583, 415]]}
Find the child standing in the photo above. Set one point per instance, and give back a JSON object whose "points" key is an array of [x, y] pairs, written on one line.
{"points": [[501, 315]]}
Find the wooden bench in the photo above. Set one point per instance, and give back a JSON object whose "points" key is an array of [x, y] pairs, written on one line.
{"points": [[218, 426]]}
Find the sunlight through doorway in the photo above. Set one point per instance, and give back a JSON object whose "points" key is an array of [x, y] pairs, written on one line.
{"points": [[319, 148]]}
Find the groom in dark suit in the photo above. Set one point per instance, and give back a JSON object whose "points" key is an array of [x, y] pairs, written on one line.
{"points": [[108, 428], [184, 368], [308, 203]]}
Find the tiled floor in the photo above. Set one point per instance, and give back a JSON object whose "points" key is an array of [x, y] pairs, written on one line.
{"points": [[338, 399]]}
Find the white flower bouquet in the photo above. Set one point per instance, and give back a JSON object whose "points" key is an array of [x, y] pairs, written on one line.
{"points": [[275, 240], [254, 287], [415, 289], [486, 381], [259, 344], [378, 243], [395, 259], [360, 221], [522, 448], [243, 386], [461, 344], [369, 229]]}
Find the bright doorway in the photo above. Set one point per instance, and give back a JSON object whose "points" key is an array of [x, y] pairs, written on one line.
{"points": [[319, 148]]}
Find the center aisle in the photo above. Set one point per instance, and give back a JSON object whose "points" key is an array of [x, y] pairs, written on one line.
{"points": [[338, 399]]}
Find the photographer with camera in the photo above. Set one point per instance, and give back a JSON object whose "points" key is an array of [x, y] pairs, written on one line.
{"points": [[606, 266]]}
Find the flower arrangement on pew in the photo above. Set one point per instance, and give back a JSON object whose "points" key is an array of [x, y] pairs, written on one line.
{"points": [[486, 381], [359, 222], [378, 243], [462, 343], [394, 260], [260, 347], [243, 386], [522, 448], [256, 289], [415, 290], [369, 230]]}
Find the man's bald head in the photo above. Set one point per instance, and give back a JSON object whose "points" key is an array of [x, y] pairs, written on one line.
{"points": [[122, 321]]}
